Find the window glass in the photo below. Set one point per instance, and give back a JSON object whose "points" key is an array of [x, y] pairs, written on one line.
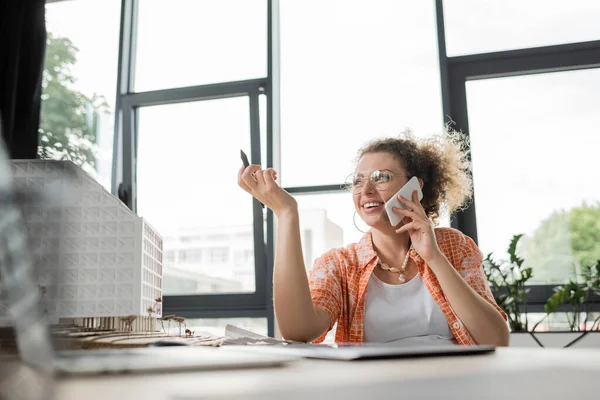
{"points": [[198, 42], [475, 26], [534, 144], [79, 83], [364, 69], [188, 159]]}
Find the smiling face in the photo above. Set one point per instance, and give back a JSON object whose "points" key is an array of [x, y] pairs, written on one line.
{"points": [[370, 201]]}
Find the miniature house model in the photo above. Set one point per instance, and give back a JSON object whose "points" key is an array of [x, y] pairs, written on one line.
{"points": [[98, 263]]}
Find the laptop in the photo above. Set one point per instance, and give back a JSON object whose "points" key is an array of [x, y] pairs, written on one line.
{"points": [[241, 339], [371, 351], [22, 311]]}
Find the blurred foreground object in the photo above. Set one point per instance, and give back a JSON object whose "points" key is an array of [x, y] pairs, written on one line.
{"points": [[25, 351]]}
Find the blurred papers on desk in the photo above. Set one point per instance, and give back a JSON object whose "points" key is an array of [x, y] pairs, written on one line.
{"points": [[239, 336]]}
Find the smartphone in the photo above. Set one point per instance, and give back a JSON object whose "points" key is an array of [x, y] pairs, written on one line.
{"points": [[406, 191], [246, 164]]}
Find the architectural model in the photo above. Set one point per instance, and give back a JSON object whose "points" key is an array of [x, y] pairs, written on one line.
{"points": [[98, 263]]}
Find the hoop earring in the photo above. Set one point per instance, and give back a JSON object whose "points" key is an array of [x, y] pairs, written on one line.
{"points": [[354, 222]]}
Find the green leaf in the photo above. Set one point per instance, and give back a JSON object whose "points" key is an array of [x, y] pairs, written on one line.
{"points": [[512, 250]]}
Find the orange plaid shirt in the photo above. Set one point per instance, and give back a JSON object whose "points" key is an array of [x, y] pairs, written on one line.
{"points": [[338, 283]]}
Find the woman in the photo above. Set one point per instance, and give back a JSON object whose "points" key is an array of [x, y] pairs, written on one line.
{"points": [[412, 282]]}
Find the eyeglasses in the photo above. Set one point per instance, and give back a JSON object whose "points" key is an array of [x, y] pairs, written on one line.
{"points": [[380, 179]]}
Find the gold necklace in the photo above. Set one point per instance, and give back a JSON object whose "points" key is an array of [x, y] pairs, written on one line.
{"points": [[401, 271]]}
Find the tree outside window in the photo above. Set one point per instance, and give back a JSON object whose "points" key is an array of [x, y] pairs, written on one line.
{"points": [[70, 120]]}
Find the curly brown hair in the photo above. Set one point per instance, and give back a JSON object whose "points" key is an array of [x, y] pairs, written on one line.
{"points": [[441, 161]]}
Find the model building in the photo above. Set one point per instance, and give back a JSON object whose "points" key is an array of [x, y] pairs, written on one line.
{"points": [[98, 263]]}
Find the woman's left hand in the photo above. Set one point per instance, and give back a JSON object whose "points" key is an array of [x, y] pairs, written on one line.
{"points": [[419, 227]]}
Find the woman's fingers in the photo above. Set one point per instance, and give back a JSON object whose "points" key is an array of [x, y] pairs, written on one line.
{"points": [[405, 212], [254, 180], [241, 182], [270, 176], [415, 197], [248, 176], [411, 226], [260, 177], [413, 204], [261, 184]]}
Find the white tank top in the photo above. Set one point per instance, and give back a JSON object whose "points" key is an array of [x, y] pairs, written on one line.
{"points": [[405, 313]]}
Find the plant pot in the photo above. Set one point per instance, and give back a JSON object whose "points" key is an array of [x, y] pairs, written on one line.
{"points": [[555, 339]]}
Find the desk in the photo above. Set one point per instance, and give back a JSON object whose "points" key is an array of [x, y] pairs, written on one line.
{"points": [[509, 373]]}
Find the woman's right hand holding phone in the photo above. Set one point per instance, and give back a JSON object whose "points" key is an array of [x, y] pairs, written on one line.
{"points": [[262, 186]]}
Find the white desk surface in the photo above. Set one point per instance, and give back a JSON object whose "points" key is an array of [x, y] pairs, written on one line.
{"points": [[508, 373]]}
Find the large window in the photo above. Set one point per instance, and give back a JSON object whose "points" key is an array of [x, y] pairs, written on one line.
{"points": [[534, 172], [79, 83]]}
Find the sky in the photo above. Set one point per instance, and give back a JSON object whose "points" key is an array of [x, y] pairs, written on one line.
{"points": [[351, 71]]}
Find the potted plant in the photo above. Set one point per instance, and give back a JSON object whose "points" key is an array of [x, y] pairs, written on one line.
{"points": [[508, 281]]}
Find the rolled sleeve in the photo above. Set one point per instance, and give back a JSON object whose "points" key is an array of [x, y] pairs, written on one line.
{"points": [[471, 270], [326, 287]]}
